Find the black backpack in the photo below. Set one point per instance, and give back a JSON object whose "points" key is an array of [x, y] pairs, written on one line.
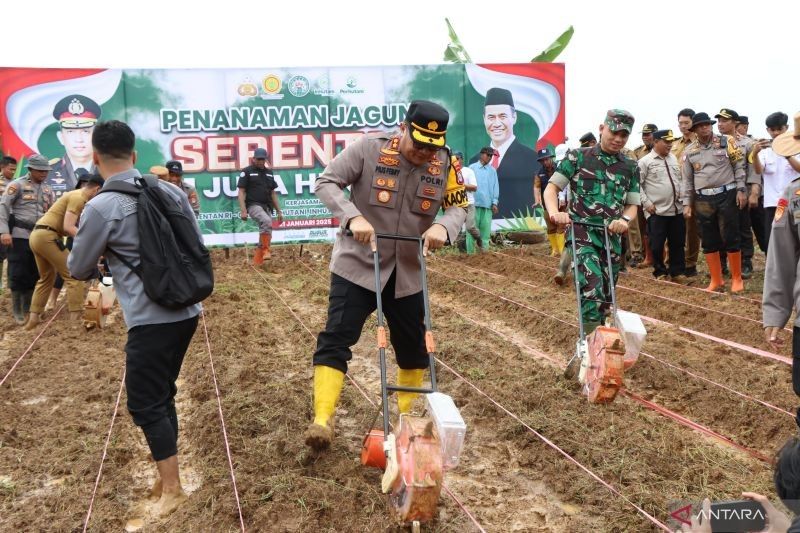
{"points": [[174, 265]]}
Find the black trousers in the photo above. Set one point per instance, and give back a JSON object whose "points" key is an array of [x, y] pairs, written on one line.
{"points": [[672, 230], [796, 366], [154, 355], [349, 305], [758, 224], [22, 271], [769, 216], [718, 218]]}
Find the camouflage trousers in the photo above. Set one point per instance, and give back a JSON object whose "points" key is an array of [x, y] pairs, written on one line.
{"points": [[592, 261]]}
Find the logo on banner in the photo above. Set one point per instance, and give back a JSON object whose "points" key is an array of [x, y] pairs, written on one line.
{"points": [[352, 86], [323, 87], [299, 86], [272, 87], [247, 88]]}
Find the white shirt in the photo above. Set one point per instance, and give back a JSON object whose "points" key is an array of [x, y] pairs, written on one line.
{"points": [[777, 175], [469, 179]]}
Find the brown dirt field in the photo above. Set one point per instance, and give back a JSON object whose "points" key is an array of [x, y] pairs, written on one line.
{"points": [[57, 405]]}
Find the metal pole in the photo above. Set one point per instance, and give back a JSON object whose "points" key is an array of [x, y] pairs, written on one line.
{"points": [[381, 350], [575, 278], [611, 280], [427, 316]]}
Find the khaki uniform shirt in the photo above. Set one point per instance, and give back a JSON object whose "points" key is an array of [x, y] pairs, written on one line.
{"points": [[710, 166], [73, 201], [191, 194], [745, 144], [679, 146], [640, 152], [395, 197], [28, 201], [660, 184], [781, 280]]}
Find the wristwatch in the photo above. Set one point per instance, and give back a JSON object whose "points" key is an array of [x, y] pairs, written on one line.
{"points": [[626, 218]]}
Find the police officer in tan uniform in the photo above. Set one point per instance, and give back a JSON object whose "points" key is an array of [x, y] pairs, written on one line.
{"points": [[713, 190], [175, 177], [398, 182], [8, 167], [27, 198], [692, 249], [637, 237], [781, 283]]}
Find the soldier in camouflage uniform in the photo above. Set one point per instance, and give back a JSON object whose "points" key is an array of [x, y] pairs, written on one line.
{"points": [[604, 185]]}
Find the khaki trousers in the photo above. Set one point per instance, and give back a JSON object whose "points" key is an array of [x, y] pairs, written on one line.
{"points": [[51, 259]]}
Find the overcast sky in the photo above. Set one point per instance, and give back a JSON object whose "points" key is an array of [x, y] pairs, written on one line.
{"points": [[652, 58]]}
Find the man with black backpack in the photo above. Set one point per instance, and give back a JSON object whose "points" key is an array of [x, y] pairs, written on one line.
{"points": [[161, 310]]}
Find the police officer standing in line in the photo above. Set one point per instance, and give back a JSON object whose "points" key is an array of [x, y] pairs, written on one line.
{"points": [[692, 249], [637, 234], [398, 182], [547, 160], [588, 140], [728, 120], [175, 177], [781, 283], [714, 191], [257, 199], [604, 187], [26, 199], [76, 115], [8, 167]]}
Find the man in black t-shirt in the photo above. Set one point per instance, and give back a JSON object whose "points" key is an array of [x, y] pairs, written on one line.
{"points": [[257, 199]]}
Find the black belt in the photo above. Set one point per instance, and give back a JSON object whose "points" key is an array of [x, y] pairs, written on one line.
{"points": [[43, 226]]}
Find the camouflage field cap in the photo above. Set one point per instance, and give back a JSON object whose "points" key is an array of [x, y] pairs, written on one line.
{"points": [[619, 119]]}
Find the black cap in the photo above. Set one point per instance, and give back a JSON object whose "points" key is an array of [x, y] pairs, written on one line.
{"points": [[260, 153], [544, 153], [76, 111], [777, 120], [743, 119], [85, 177], [427, 122], [727, 113], [487, 150], [586, 138], [498, 96], [701, 118], [665, 135], [174, 167], [649, 128]]}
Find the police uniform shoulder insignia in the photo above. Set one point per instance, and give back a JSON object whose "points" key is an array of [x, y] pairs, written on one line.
{"points": [[393, 148], [434, 171], [12, 189]]}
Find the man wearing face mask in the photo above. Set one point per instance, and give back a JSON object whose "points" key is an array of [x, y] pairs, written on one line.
{"points": [[398, 182]]}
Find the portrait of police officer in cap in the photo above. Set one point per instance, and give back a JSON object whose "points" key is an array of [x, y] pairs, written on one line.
{"points": [[516, 163], [76, 115]]}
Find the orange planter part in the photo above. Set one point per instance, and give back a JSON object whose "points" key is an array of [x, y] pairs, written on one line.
{"points": [[604, 377], [415, 493], [372, 453]]}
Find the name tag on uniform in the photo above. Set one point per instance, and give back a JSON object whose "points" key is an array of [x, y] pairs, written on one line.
{"points": [[796, 209]]}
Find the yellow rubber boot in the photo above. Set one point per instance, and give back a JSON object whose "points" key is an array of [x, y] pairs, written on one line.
{"points": [[553, 238], [327, 387], [560, 240], [408, 378]]}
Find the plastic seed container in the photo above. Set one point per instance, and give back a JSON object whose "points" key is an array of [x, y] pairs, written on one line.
{"points": [[449, 425], [633, 332]]}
